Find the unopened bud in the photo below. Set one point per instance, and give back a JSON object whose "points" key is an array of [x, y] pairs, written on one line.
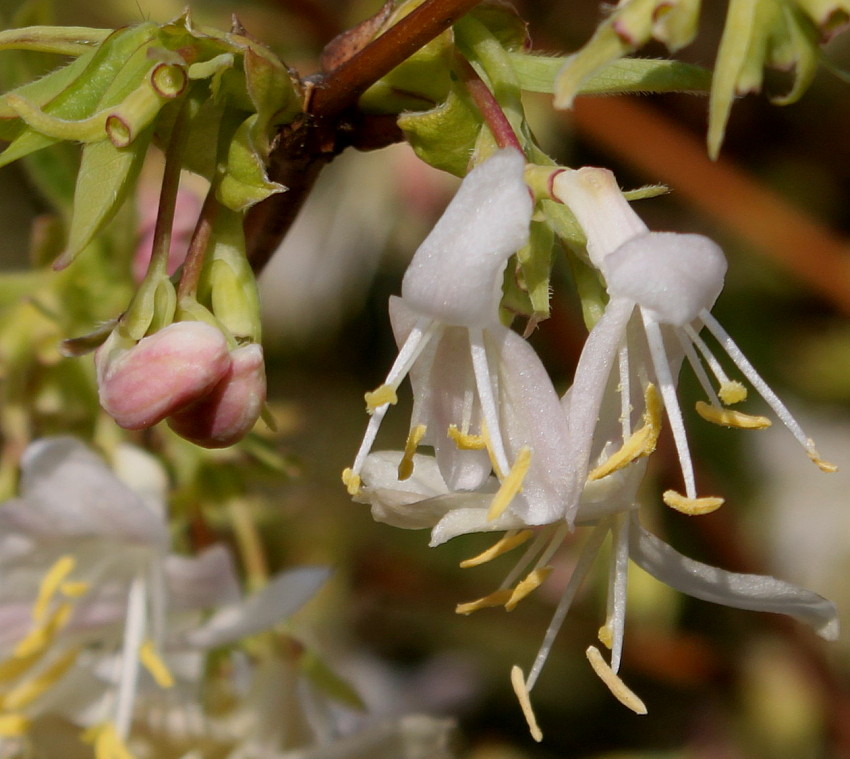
{"points": [[230, 410], [141, 385]]}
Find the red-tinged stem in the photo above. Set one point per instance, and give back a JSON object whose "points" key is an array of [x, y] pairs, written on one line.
{"points": [[194, 262], [489, 107]]}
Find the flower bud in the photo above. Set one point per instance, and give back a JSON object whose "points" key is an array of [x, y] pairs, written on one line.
{"points": [[141, 385], [229, 411]]}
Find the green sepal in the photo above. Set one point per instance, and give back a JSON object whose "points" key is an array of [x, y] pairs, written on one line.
{"points": [[227, 285], [638, 75], [535, 261], [153, 307], [103, 181], [244, 181], [275, 95], [445, 136], [327, 681], [759, 33], [85, 93], [62, 40]]}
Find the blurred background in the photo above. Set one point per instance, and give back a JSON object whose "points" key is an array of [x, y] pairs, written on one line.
{"points": [[718, 683]]}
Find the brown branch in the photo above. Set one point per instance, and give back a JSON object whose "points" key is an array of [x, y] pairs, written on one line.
{"points": [[340, 88], [332, 123]]}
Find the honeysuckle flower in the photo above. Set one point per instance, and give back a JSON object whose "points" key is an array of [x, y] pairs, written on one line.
{"points": [[662, 287], [93, 603], [231, 408], [608, 505], [482, 398], [142, 383]]}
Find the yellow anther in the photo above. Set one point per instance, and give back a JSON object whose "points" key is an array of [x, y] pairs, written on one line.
{"points": [[380, 396], [824, 466], [507, 542], [13, 725], [728, 418], [511, 485], [107, 743], [74, 589], [466, 442], [405, 466], [693, 507], [496, 598], [618, 688], [15, 666], [732, 392], [606, 636], [29, 690], [42, 636], [52, 581], [154, 664], [640, 443], [351, 481], [529, 583], [524, 698]]}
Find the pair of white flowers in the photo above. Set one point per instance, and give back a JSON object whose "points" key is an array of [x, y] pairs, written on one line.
{"points": [[510, 456]]}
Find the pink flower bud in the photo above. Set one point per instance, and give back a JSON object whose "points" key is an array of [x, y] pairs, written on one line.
{"points": [[230, 410], [141, 385]]}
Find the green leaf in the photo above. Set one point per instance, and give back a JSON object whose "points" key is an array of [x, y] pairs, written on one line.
{"points": [[105, 176], [537, 74], [275, 96]]}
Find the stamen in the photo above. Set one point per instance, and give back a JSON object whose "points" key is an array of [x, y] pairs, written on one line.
{"points": [[496, 598], [641, 443], [606, 636], [511, 485], [351, 481], [812, 453], [29, 690], [405, 466], [134, 634], [15, 666], [771, 398], [728, 418], [74, 589], [693, 507], [385, 394], [507, 542], [464, 441], [13, 725], [618, 688], [625, 390], [40, 637], [522, 694], [618, 576], [107, 743], [154, 664], [484, 386], [731, 391], [57, 573], [588, 554], [696, 365], [528, 584], [671, 402]]}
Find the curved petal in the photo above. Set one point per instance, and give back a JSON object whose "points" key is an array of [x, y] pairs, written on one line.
{"points": [[456, 274], [531, 417], [740, 591]]}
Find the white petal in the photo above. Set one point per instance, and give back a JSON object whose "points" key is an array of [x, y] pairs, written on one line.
{"points": [[69, 491], [531, 417], [463, 521], [740, 591], [203, 581], [282, 597], [673, 276], [456, 274]]}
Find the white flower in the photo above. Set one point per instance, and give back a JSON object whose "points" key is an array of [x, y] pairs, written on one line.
{"points": [[91, 598], [482, 398], [662, 287], [607, 506]]}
